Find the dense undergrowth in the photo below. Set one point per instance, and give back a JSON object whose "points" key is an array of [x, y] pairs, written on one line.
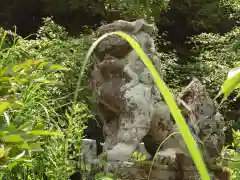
{"points": [[41, 131], [41, 75]]}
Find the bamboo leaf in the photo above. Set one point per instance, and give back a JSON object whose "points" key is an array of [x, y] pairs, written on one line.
{"points": [[232, 83], [27, 64], [45, 133], [11, 165], [2, 39], [43, 80], [58, 67], [4, 105], [50, 66], [13, 138], [2, 152]]}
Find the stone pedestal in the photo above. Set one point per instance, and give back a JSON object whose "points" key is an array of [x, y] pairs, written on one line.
{"points": [[141, 170]]}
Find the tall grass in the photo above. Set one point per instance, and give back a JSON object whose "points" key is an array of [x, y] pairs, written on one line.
{"points": [[41, 90]]}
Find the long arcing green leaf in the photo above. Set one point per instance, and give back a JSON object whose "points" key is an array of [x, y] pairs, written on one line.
{"points": [[167, 95]]}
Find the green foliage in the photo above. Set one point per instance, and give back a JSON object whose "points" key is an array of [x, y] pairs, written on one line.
{"points": [[202, 15], [105, 176], [231, 84], [61, 6], [36, 101], [131, 9], [230, 158], [218, 54], [44, 84], [210, 15], [232, 7], [215, 56], [138, 156]]}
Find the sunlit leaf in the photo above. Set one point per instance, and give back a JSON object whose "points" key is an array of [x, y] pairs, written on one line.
{"points": [[24, 146], [12, 165], [22, 161], [35, 147], [45, 133], [13, 79], [3, 133], [27, 164], [233, 72], [19, 155], [5, 79], [27, 64], [11, 127], [2, 152], [58, 67], [3, 38], [104, 178], [232, 83], [12, 138], [4, 105], [43, 80], [50, 66], [17, 104]]}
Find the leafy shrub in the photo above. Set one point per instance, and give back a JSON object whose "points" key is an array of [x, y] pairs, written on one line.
{"points": [[148, 10], [46, 101], [230, 158], [214, 56]]}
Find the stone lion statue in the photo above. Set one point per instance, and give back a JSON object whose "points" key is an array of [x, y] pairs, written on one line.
{"points": [[132, 109]]}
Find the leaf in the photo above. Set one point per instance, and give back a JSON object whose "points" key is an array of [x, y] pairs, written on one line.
{"points": [[17, 104], [19, 155], [3, 133], [36, 147], [32, 147], [11, 165], [2, 152], [50, 66], [105, 178], [20, 160], [24, 146], [58, 67], [27, 64], [69, 118], [3, 38], [233, 72], [43, 80], [13, 138], [4, 105], [45, 133], [232, 83]]}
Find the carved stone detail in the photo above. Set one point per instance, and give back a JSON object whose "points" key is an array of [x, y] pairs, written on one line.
{"points": [[132, 109]]}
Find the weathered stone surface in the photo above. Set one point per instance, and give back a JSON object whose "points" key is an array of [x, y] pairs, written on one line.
{"points": [[140, 170], [207, 123], [115, 45], [89, 150], [133, 110]]}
